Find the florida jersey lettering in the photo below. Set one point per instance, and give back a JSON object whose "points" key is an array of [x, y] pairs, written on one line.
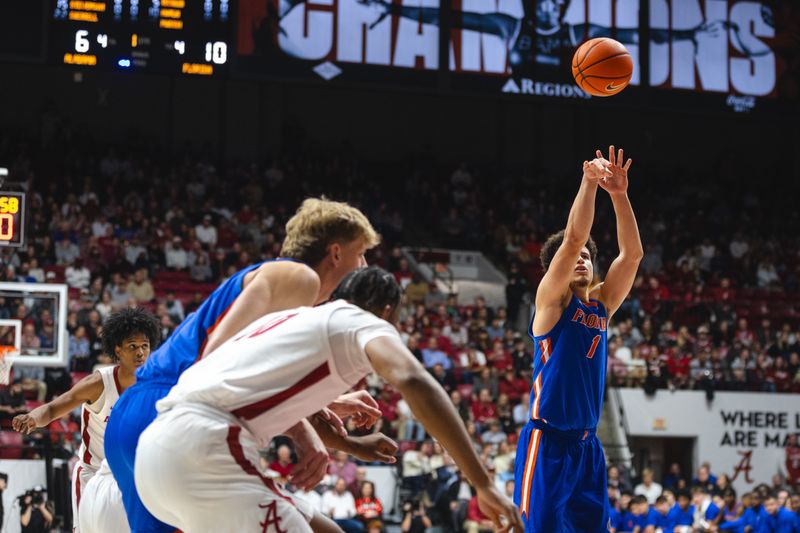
{"points": [[569, 367]]}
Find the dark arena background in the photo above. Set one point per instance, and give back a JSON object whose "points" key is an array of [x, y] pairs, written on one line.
{"points": [[151, 149]]}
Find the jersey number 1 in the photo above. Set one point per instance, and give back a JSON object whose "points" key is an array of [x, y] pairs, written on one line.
{"points": [[595, 342]]}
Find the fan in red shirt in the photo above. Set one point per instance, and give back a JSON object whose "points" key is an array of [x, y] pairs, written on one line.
{"points": [[483, 408], [514, 386], [368, 507], [476, 521], [283, 463], [793, 462]]}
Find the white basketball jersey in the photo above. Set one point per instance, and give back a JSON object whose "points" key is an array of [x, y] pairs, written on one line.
{"points": [[283, 367], [94, 417]]}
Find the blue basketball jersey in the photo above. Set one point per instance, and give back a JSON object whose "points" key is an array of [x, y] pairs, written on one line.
{"points": [[569, 368], [186, 343]]}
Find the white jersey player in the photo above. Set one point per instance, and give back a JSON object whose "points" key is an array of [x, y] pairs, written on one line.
{"points": [[128, 337], [196, 463]]}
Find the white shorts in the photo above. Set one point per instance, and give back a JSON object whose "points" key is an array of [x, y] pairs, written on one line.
{"points": [[196, 469], [81, 474], [101, 509]]}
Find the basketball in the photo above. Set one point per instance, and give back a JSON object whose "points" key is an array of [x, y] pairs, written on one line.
{"points": [[602, 67]]}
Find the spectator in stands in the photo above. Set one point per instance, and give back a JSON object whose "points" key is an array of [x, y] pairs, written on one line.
{"points": [[134, 251], [408, 427], [119, 291], [35, 271], [682, 514], [79, 351], [340, 505], [66, 252], [432, 356], [648, 487], [77, 275], [12, 401], [195, 303], [476, 521], [200, 270], [368, 508], [417, 289], [417, 466], [704, 479], [282, 464], [140, 287], [29, 340], [793, 462], [705, 510], [206, 233], [494, 434], [106, 305], [175, 255], [483, 407], [342, 467], [174, 307], [615, 479], [776, 519], [34, 514]]}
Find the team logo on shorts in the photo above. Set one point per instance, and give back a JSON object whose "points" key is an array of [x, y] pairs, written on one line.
{"points": [[272, 518]]}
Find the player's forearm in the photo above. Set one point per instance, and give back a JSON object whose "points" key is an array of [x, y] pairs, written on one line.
{"points": [[581, 215], [630, 243], [330, 437], [433, 409], [43, 415]]}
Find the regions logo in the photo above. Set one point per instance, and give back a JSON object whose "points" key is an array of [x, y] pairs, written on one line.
{"points": [[542, 88]]}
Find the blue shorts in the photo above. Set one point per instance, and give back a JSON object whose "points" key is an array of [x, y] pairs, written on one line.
{"points": [[560, 480], [131, 415]]}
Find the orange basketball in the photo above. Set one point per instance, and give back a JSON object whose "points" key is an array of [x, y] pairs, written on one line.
{"points": [[602, 67]]}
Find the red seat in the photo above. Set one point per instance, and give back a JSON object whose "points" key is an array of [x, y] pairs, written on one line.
{"points": [[10, 445]]}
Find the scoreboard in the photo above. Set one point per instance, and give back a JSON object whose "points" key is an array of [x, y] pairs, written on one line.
{"points": [[12, 219], [163, 36]]}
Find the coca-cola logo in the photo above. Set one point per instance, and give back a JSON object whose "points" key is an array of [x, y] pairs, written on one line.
{"points": [[741, 104]]}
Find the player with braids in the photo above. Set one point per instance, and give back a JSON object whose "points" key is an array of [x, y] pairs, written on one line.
{"points": [[128, 337], [228, 403]]}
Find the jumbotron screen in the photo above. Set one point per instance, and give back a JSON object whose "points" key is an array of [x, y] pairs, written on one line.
{"points": [[163, 36]]}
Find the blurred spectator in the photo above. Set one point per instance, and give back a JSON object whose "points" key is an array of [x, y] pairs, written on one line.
{"points": [[417, 466], [77, 275], [476, 521], [415, 520], [175, 256], [79, 351], [342, 467], [140, 287], [409, 428], [368, 507], [206, 233], [339, 505], [32, 380], [66, 252], [673, 476], [12, 400], [174, 308], [793, 463], [432, 356], [200, 270], [283, 463]]}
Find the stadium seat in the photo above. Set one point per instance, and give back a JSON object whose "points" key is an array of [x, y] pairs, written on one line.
{"points": [[10, 445]]}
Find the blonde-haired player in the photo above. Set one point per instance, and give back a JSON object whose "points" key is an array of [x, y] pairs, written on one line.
{"points": [[196, 463], [324, 241], [128, 337]]}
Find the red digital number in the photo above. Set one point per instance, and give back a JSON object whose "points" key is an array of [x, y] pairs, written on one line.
{"points": [[6, 227]]}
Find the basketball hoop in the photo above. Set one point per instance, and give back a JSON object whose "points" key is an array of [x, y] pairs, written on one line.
{"points": [[6, 363]]}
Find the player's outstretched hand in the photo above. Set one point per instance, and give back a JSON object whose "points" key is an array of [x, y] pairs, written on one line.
{"points": [[617, 182], [360, 405], [312, 456], [596, 170], [375, 447], [25, 424], [503, 514]]}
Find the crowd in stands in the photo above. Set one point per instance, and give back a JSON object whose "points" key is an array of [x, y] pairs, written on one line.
{"points": [[705, 503], [712, 309]]}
